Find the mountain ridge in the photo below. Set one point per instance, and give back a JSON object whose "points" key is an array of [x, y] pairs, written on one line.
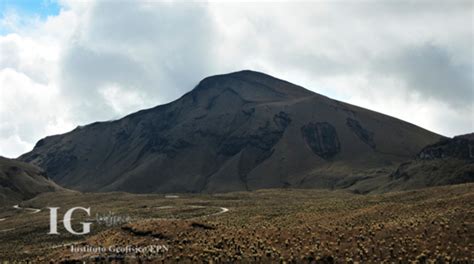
{"points": [[235, 76], [21, 181], [239, 131]]}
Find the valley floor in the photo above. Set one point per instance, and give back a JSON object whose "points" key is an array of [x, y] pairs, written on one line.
{"points": [[285, 225]]}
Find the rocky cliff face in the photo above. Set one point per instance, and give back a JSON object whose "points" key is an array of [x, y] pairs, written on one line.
{"points": [[322, 138], [460, 147], [449, 161], [238, 131]]}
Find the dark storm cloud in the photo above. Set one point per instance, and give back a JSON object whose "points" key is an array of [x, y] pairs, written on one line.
{"points": [[88, 69], [157, 50], [431, 71]]}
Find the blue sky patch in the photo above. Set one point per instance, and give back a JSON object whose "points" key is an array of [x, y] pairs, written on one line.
{"points": [[27, 9]]}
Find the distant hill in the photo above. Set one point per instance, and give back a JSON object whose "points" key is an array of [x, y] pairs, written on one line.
{"points": [[449, 161], [21, 181], [239, 131]]}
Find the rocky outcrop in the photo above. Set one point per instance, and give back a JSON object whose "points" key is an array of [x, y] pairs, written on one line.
{"points": [[460, 147], [263, 138], [363, 134], [322, 138], [449, 161]]}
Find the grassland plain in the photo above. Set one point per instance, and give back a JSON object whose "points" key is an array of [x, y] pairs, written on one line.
{"points": [[266, 226]]}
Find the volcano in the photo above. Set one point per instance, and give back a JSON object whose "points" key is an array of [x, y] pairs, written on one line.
{"points": [[240, 131]]}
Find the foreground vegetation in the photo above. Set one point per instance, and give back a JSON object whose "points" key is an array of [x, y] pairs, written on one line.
{"points": [[291, 226]]}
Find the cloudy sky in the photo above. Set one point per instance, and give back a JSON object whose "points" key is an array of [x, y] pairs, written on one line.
{"points": [[69, 63]]}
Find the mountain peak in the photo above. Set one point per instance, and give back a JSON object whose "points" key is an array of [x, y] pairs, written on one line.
{"points": [[253, 75], [252, 85], [248, 74]]}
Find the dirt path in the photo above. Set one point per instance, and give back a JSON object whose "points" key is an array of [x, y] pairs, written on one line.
{"points": [[222, 209], [31, 211]]}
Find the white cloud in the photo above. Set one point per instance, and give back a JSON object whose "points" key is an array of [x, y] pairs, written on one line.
{"points": [[14, 144], [100, 60], [28, 112], [121, 100]]}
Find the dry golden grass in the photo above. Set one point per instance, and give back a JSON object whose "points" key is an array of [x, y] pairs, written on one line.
{"points": [[287, 226]]}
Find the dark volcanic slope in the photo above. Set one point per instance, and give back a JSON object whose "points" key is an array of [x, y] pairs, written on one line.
{"points": [[239, 131], [21, 181]]}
